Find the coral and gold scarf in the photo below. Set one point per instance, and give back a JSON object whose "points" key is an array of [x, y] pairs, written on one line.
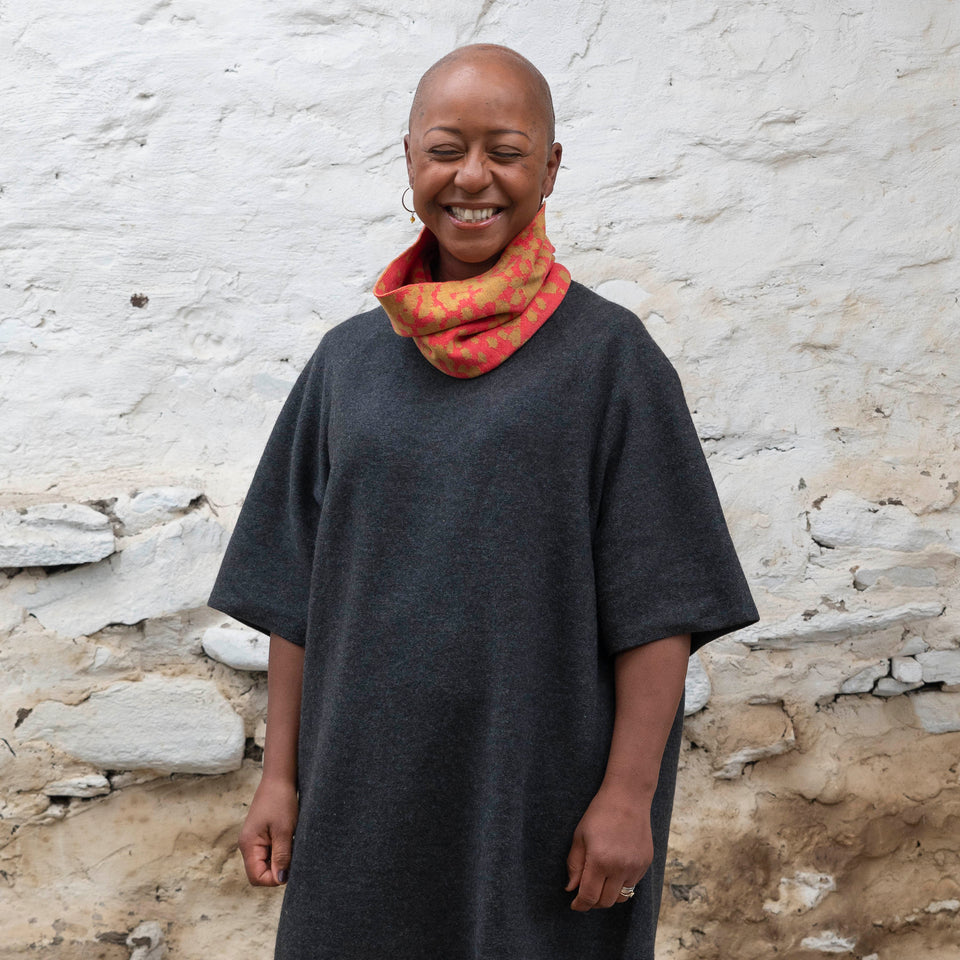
{"points": [[468, 327]]}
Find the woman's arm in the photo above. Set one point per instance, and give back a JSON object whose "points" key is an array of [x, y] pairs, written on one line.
{"points": [[613, 843], [266, 840]]}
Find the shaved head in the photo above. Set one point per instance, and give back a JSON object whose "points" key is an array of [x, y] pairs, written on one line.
{"points": [[477, 54]]}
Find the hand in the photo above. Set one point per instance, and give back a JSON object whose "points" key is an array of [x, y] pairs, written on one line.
{"points": [[266, 840], [612, 848]]}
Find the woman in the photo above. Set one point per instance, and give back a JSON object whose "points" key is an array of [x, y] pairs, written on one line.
{"points": [[484, 540]]}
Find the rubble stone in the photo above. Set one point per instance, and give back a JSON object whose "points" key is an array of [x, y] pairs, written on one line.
{"points": [[937, 712], [150, 507], [833, 625], [166, 569], [697, 687], [940, 666], [176, 725], [801, 893], [54, 534], [863, 680], [846, 520], [906, 670], [237, 647], [91, 785]]}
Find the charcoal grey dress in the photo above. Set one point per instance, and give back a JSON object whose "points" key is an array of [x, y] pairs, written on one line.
{"points": [[461, 560]]}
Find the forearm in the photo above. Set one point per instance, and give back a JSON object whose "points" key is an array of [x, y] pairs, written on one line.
{"points": [[649, 684], [284, 683]]}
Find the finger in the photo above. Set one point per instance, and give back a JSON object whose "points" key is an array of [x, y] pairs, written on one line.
{"points": [[590, 890], [256, 861], [610, 893], [281, 854], [575, 860]]}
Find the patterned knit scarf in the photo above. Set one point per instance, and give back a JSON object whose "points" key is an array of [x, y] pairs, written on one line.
{"points": [[468, 327]]}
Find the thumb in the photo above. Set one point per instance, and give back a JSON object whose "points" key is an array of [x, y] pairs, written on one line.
{"points": [[281, 850], [576, 859]]}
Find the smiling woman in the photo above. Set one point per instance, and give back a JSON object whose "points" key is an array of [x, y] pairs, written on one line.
{"points": [[485, 540], [480, 157]]}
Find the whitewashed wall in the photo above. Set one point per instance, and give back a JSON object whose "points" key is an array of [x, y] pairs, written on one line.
{"points": [[192, 192]]}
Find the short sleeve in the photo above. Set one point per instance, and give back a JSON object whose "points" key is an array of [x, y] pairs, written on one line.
{"points": [[264, 580], [664, 561]]}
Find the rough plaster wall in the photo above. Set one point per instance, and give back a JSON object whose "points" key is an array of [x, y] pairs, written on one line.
{"points": [[192, 192]]}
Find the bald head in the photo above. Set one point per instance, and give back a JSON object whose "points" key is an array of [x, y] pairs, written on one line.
{"points": [[478, 55]]}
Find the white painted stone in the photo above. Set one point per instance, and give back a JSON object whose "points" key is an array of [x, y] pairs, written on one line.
{"points": [[912, 645], [150, 507], [833, 625], [906, 670], [697, 686], [147, 941], [54, 534], [889, 687], [943, 906], [829, 942], [161, 571], [937, 712], [90, 785], [801, 893], [863, 680], [239, 648], [845, 520], [898, 576], [940, 666], [181, 725]]}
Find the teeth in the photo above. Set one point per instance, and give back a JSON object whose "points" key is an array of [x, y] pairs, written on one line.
{"points": [[471, 216]]}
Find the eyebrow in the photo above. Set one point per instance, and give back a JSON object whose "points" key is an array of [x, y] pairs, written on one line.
{"points": [[494, 132]]}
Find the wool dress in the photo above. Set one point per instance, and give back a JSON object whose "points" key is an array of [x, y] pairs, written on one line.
{"points": [[462, 559]]}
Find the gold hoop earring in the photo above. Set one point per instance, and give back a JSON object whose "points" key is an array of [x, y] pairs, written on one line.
{"points": [[403, 197]]}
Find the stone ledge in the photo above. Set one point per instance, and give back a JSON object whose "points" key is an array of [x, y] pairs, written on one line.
{"points": [[181, 725]]}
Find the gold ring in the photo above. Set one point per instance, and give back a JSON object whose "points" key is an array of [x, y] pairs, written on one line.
{"points": [[627, 891]]}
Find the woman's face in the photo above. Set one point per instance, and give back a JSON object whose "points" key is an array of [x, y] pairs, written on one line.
{"points": [[478, 162]]}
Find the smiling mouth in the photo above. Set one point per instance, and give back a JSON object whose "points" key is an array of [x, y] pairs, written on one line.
{"points": [[466, 215]]}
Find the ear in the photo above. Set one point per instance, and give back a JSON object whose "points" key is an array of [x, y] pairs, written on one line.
{"points": [[553, 165], [406, 154]]}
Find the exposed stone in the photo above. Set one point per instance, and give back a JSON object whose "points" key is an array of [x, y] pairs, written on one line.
{"points": [[906, 670], [829, 942], [943, 906], [239, 648], [937, 712], [150, 507], [940, 666], [800, 893], [166, 569], [889, 687], [91, 785], [845, 520], [697, 687], [863, 680], [54, 534], [754, 733], [833, 625], [146, 939], [180, 725]]}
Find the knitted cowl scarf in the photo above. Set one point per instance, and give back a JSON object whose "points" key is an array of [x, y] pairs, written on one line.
{"points": [[468, 327]]}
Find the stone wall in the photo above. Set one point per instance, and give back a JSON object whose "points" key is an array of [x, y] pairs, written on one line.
{"points": [[192, 192]]}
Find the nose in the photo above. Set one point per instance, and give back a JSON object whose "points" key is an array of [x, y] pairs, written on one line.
{"points": [[472, 172]]}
